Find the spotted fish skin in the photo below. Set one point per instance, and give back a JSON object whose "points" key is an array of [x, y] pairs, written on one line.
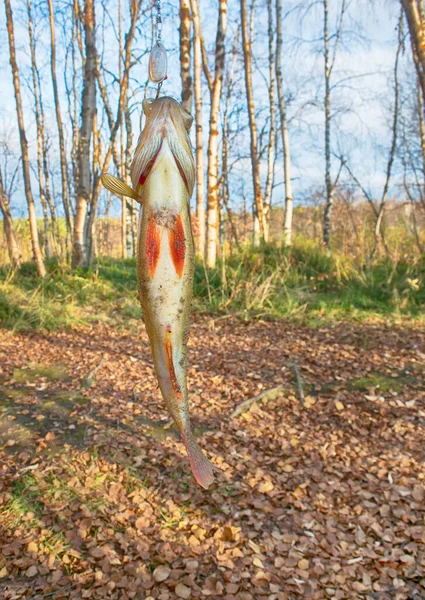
{"points": [[162, 174]]}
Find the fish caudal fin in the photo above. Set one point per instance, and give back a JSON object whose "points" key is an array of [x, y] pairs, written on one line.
{"points": [[199, 463], [117, 187]]}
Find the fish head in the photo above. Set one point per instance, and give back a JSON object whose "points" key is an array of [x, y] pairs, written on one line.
{"points": [[166, 120], [161, 111]]}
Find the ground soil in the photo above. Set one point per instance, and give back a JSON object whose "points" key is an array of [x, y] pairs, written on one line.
{"points": [[319, 488]]}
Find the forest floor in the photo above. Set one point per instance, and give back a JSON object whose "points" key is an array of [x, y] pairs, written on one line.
{"points": [[316, 498]]}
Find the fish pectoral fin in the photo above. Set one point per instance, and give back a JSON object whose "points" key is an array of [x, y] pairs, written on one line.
{"points": [[118, 187], [184, 161], [144, 159]]}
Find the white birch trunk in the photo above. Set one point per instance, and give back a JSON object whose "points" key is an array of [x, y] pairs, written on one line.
{"points": [[287, 225], [200, 179], [38, 258], [80, 255]]}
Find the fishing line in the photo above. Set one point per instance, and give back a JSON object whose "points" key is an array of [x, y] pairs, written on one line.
{"points": [[158, 21]]}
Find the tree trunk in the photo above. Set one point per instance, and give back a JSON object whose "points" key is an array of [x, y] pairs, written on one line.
{"points": [[127, 236], [185, 55], [46, 174], [128, 158], [213, 204], [225, 145], [38, 258], [90, 224], [9, 230], [328, 183], [37, 112], [122, 158], [200, 183], [255, 163], [74, 114], [63, 163], [287, 225], [272, 134], [421, 125], [416, 22], [79, 255], [329, 64]]}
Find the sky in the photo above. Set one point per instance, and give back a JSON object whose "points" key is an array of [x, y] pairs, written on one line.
{"points": [[362, 94]]}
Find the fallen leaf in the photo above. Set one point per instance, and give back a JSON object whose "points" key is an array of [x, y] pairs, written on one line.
{"points": [[32, 547], [161, 573], [182, 591], [418, 493]]}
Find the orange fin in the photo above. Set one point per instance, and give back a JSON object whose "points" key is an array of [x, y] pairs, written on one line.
{"points": [[118, 187], [201, 467], [177, 245], [153, 245]]}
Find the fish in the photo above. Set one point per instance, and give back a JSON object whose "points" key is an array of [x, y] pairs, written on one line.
{"points": [[163, 177]]}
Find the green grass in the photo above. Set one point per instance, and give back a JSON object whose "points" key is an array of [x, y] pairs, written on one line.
{"points": [[381, 382], [304, 283], [51, 373], [308, 283], [25, 498]]}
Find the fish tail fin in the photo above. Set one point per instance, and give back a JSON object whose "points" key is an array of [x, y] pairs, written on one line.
{"points": [[201, 467], [118, 187]]}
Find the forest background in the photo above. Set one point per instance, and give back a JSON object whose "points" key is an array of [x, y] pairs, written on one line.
{"points": [[309, 142]]}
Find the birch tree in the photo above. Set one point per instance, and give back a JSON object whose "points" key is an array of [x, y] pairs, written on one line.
{"points": [[185, 55], [255, 162], [62, 152], [37, 113], [329, 63], [414, 11], [79, 250], [199, 152], [215, 87], [287, 225], [121, 170], [9, 230], [272, 133], [37, 255], [225, 171]]}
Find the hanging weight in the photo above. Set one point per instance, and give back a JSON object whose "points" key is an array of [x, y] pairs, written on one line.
{"points": [[158, 63]]}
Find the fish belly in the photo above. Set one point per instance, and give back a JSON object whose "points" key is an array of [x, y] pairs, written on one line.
{"points": [[165, 274]]}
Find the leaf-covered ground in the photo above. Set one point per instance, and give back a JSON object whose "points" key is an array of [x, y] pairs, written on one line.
{"points": [[320, 499]]}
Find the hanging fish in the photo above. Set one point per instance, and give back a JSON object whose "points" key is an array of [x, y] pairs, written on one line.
{"points": [[162, 174]]}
